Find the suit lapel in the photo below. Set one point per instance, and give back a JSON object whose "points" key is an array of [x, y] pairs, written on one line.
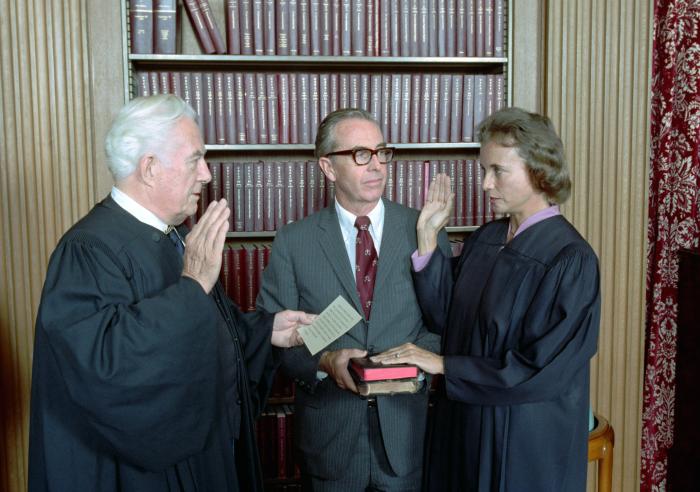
{"points": [[391, 240], [331, 240]]}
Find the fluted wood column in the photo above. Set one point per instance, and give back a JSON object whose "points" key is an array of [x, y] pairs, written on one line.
{"points": [[597, 93], [50, 172]]}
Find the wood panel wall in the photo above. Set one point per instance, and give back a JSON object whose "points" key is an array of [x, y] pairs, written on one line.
{"points": [[50, 171], [598, 58]]}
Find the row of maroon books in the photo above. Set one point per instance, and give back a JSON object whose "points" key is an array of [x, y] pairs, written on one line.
{"points": [[275, 431], [271, 108], [445, 28], [241, 272], [264, 196]]}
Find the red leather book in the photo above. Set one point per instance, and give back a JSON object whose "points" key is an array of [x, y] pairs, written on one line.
{"points": [[314, 102], [405, 129], [283, 112], [389, 189], [452, 173], [212, 28], [410, 184], [334, 92], [336, 28], [165, 22], [469, 185], [239, 91], [434, 106], [468, 108], [227, 187], [471, 27], [322, 195], [365, 91], [293, 109], [251, 109], [229, 109], [238, 275], [414, 111], [209, 107], [461, 28], [272, 101], [346, 28], [426, 91], [279, 194], [258, 28], [478, 195], [176, 84], [456, 109], [293, 37], [269, 27], [366, 370], [238, 196], [370, 28], [215, 188], [312, 172], [315, 27], [344, 90], [498, 22], [197, 18], [260, 263], [246, 22], [186, 82], [268, 196], [143, 86], [233, 27], [480, 28], [226, 270], [400, 183], [281, 435], [395, 110], [444, 108], [488, 28], [248, 193], [479, 99], [261, 104], [324, 99], [258, 196], [290, 192], [325, 28], [303, 28], [219, 108], [375, 102], [459, 185], [354, 90], [251, 290], [359, 28], [198, 100], [282, 26], [299, 168], [141, 24], [164, 82], [303, 120], [418, 177]]}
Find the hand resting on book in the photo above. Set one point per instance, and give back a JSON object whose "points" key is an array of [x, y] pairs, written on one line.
{"points": [[335, 363], [409, 353]]}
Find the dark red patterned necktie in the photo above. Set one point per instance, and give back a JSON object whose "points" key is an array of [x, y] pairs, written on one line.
{"points": [[365, 264]]}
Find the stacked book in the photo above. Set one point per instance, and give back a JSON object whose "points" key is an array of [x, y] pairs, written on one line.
{"points": [[385, 379]]}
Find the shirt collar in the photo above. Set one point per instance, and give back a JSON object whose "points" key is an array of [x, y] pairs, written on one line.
{"points": [[538, 217], [141, 213], [347, 219]]}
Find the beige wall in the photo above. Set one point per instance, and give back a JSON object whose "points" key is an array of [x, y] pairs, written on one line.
{"points": [[61, 82]]}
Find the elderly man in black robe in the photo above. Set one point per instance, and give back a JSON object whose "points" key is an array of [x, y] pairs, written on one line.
{"points": [[519, 317], [146, 377]]}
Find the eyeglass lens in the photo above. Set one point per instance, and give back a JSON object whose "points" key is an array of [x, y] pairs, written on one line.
{"points": [[363, 156]]}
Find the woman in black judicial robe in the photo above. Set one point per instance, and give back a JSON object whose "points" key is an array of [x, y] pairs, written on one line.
{"points": [[519, 316]]}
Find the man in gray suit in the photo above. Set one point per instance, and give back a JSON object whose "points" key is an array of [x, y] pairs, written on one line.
{"points": [[348, 443]]}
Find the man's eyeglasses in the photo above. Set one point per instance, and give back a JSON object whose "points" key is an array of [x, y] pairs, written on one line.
{"points": [[362, 155]]}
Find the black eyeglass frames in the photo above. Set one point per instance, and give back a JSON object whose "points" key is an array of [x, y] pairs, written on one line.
{"points": [[362, 155]]}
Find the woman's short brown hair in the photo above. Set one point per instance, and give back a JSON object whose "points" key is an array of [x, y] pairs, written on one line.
{"points": [[537, 143]]}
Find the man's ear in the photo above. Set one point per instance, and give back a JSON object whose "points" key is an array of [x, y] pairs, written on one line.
{"points": [[147, 168], [327, 167]]}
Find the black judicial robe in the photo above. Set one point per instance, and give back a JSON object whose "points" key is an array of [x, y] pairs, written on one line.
{"points": [[519, 325], [141, 381]]}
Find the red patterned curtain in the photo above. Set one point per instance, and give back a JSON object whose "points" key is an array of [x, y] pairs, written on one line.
{"points": [[674, 218]]}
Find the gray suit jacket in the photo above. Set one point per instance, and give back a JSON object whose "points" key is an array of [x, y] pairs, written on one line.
{"points": [[308, 269]]}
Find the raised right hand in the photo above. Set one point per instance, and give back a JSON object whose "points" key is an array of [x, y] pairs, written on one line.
{"points": [[335, 363], [436, 213], [205, 245]]}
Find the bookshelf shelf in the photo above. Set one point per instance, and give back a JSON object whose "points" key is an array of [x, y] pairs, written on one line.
{"points": [[309, 148]]}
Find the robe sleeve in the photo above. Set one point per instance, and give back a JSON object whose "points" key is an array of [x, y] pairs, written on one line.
{"points": [[141, 372], [559, 335]]}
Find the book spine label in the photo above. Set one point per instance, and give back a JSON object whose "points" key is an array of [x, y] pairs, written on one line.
{"points": [[270, 16], [283, 80], [219, 108], [268, 197], [238, 197], [293, 28], [233, 28], [261, 98], [258, 29], [239, 87], [304, 35], [251, 109], [315, 26], [165, 15], [258, 196], [346, 28], [229, 109], [326, 34], [272, 108], [246, 20], [141, 24], [282, 25], [248, 197], [405, 130]]}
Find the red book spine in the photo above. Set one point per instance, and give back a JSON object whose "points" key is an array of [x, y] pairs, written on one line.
{"points": [[283, 80], [314, 102], [324, 102], [154, 82], [444, 109], [359, 28], [228, 179], [498, 23], [385, 26], [405, 129], [251, 109], [293, 109], [197, 99], [322, 194], [229, 109], [290, 199], [272, 108], [258, 196], [414, 111], [246, 21], [251, 291], [336, 28], [346, 28], [312, 171], [400, 180], [238, 276], [369, 372], [451, 29], [375, 102], [209, 108], [281, 443], [315, 27], [460, 206], [248, 202], [238, 197], [233, 28], [300, 178], [385, 122], [212, 28], [479, 35], [164, 82], [197, 19], [434, 107], [469, 178], [344, 90], [365, 91], [423, 28], [268, 197], [479, 99], [261, 96], [269, 27], [370, 38], [175, 84], [326, 27], [389, 190], [219, 108], [186, 82], [478, 194], [227, 271], [418, 179], [214, 185], [143, 86], [165, 15], [452, 173], [409, 184], [354, 90], [239, 88], [461, 28], [293, 28], [304, 109], [405, 27], [258, 29], [259, 268], [334, 92], [395, 126], [141, 24], [304, 34], [282, 25], [468, 108], [279, 195], [488, 28], [426, 86], [456, 109]]}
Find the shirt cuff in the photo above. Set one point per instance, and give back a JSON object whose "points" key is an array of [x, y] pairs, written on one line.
{"points": [[419, 262]]}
